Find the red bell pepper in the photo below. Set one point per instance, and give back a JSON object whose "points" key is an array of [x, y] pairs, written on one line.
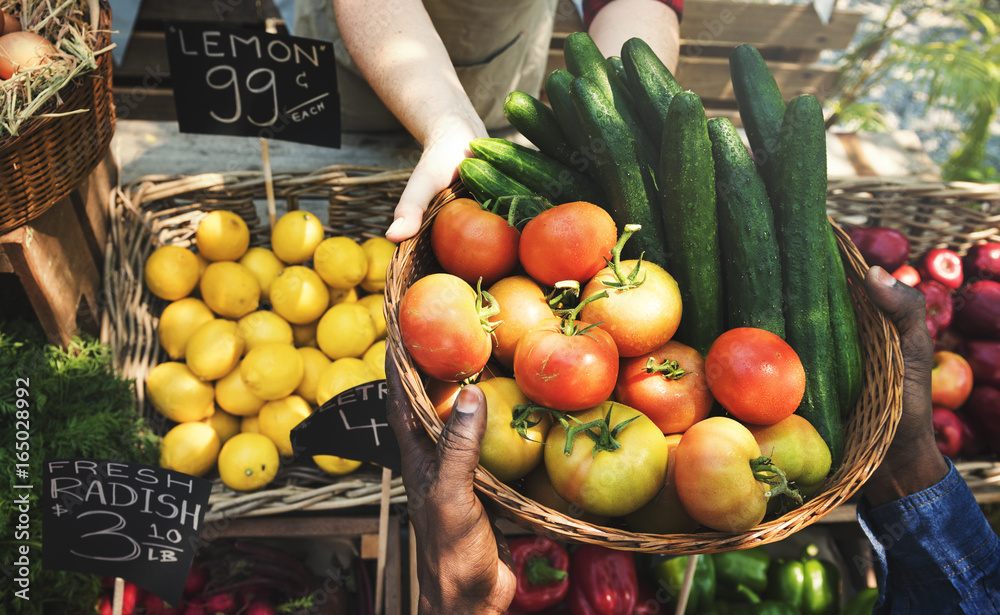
{"points": [[602, 581], [540, 565]]}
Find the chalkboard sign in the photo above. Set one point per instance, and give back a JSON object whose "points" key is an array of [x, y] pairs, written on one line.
{"points": [[231, 81], [352, 425], [118, 519]]}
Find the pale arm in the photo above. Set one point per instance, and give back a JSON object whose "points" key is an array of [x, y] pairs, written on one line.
{"points": [[652, 21]]}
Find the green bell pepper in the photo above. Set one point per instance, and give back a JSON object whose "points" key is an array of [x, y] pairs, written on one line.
{"points": [[767, 607], [861, 603], [809, 584], [735, 570], [668, 574]]}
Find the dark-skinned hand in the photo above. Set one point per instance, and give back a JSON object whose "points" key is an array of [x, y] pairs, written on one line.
{"points": [[463, 562]]}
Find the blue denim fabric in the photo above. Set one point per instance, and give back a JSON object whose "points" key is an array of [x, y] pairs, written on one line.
{"points": [[936, 553]]}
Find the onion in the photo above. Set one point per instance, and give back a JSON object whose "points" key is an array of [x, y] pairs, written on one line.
{"points": [[21, 50], [10, 24]]}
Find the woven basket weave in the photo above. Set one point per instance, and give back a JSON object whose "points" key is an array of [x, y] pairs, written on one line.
{"points": [[52, 155], [160, 210], [868, 430]]}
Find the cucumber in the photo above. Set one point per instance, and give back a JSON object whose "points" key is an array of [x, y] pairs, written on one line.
{"points": [[751, 263], [847, 339], [536, 171], [615, 62], [687, 189], [537, 123], [651, 83], [799, 202], [486, 183], [620, 172], [760, 105], [582, 156]]}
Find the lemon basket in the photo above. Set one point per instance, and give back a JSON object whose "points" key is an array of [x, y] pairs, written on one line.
{"points": [[153, 211], [950, 214]]}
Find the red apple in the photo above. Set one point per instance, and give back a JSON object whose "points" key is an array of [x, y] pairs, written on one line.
{"points": [[984, 358], [977, 309], [880, 245], [982, 262], [943, 265], [983, 409], [951, 380], [947, 431], [973, 443], [950, 339], [907, 275], [940, 304]]}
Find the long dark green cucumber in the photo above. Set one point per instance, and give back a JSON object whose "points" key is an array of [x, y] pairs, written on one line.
{"points": [[582, 155], [760, 105], [486, 183], [620, 172], [847, 339], [584, 59], [687, 188], [751, 263], [651, 83], [799, 204], [538, 124], [537, 171], [615, 62]]}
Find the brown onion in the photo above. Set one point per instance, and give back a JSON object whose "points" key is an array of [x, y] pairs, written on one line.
{"points": [[21, 50], [10, 24]]}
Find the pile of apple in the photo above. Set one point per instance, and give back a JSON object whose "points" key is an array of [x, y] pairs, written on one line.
{"points": [[963, 317]]}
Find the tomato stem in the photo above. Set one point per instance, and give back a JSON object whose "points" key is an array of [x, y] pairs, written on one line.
{"points": [[564, 293], [487, 307], [670, 369], [622, 281], [770, 474], [521, 418], [604, 439], [569, 324], [521, 208]]}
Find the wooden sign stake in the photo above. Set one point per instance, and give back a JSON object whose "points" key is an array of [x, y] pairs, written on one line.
{"points": [[682, 600], [265, 154], [414, 578], [117, 602], [383, 540]]}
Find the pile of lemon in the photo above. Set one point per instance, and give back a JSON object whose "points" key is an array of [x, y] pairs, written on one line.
{"points": [[259, 338]]}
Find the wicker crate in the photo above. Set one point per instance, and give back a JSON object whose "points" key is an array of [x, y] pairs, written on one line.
{"points": [[159, 210]]}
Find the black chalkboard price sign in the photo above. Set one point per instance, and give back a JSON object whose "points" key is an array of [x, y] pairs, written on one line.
{"points": [[238, 82], [118, 519]]}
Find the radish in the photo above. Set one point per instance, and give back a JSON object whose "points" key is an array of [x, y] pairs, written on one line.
{"points": [[221, 603], [196, 580], [260, 607]]}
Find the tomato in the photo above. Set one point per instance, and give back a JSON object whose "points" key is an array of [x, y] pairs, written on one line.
{"points": [[755, 375], [795, 446], [504, 452], [643, 304], [522, 303], [442, 393], [566, 364], [714, 477], [443, 326], [538, 487], [616, 475], [668, 385], [471, 242], [567, 242], [664, 514]]}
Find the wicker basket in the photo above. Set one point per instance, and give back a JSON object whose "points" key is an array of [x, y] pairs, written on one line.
{"points": [[869, 429], [160, 210], [52, 155]]}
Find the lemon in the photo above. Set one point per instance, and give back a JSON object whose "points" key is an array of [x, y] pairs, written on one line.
{"points": [[346, 330], [278, 417], [233, 396], [314, 362], [374, 304], [305, 335], [264, 266], [343, 295], [299, 295], [178, 321], [295, 236], [222, 236], [262, 327], [379, 251], [171, 272], [214, 349], [341, 262], [178, 394], [341, 375], [250, 424], [248, 461], [225, 425], [229, 289], [272, 371], [191, 448], [336, 466], [375, 358]]}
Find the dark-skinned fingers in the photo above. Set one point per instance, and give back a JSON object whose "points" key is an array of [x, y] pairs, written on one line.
{"points": [[907, 309], [415, 447], [458, 446]]}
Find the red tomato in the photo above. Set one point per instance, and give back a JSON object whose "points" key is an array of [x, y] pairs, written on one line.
{"points": [[608, 482], [442, 393], [567, 242], [522, 303], [715, 480], [443, 329], [566, 364], [639, 317], [755, 375], [471, 242], [664, 514], [668, 385]]}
